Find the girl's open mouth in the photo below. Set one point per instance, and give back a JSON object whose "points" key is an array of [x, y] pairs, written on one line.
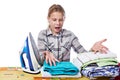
{"points": [[57, 28]]}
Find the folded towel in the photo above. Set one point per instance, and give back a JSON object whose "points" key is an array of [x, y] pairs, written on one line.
{"points": [[61, 68]]}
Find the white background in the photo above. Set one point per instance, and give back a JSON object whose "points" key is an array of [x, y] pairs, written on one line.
{"points": [[90, 20]]}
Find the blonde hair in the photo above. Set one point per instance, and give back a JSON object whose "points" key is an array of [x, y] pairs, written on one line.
{"points": [[56, 8]]}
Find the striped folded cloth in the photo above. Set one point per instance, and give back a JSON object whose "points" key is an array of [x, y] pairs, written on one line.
{"points": [[61, 68]]}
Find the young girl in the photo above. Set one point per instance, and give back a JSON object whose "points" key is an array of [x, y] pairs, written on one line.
{"points": [[55, 43]]}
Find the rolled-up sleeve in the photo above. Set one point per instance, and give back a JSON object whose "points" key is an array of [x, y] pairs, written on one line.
{"points": [[76, 45], [41, 44]]}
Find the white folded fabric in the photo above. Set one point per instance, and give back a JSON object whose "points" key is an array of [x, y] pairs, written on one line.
{"points": [[88, 56]]}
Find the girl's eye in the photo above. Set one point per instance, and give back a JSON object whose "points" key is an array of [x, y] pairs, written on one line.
{"points": [[61, 20], [54, 19]]}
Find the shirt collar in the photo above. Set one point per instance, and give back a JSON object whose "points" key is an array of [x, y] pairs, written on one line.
{"points": [[49, 32]]}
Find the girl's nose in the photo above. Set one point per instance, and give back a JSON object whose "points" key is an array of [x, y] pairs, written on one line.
{"points": [[58, 22]]}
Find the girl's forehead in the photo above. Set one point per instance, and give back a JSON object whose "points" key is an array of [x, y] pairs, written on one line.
{"points": [[56, 15]]}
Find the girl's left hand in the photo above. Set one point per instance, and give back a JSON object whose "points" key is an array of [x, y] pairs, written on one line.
{"points": [[98, 47]]}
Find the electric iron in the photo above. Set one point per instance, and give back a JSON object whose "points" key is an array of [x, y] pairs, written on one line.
{"points": [[29, 56]]}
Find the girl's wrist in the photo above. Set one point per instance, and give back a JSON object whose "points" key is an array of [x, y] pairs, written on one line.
{"points": [[91, 50]]}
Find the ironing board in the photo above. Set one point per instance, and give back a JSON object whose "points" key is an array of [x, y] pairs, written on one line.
{"points": [[16, 73]]}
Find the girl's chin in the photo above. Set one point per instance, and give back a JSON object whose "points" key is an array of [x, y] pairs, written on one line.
{"points": [[57, 32]]}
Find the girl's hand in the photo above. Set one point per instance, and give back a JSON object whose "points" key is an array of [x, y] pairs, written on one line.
{"points": [[50, 58], [98, 47]]}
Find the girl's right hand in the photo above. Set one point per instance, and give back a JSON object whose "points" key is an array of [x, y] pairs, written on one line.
{"points": [[49, 57]]}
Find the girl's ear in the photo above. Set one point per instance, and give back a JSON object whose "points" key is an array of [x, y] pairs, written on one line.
{"points": [[64, 18], [48, 19]]}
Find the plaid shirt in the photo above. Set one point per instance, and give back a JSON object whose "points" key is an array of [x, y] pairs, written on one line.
{"points": [[60, 45]]}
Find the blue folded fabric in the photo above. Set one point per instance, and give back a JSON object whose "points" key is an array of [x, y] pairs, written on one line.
{"points": [[103, 71], [61, 68]]}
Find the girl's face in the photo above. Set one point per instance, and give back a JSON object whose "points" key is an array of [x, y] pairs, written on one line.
{"points": [[56, 21]]}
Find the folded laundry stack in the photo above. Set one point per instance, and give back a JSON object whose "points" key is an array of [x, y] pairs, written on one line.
{"points": [[61, 68], [98, 65]]}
